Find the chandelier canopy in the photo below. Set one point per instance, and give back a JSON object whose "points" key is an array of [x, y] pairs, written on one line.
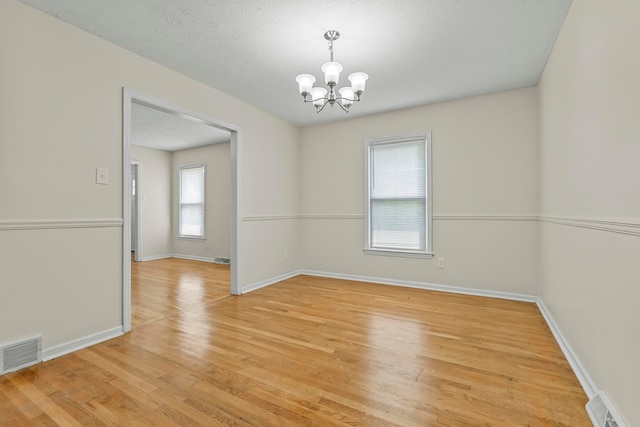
{"points": [[320, 96]]}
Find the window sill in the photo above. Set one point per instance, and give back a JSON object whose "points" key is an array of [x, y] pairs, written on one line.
{"points": [[192, 238], [398, 253]]}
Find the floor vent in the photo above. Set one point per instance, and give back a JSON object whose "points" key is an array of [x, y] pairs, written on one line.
{"points": [[20, 355], [222, 260], [602, 412]]}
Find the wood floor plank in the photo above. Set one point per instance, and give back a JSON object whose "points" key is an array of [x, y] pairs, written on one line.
{"points": [[307, 351], [12, 398], [42, 401]]}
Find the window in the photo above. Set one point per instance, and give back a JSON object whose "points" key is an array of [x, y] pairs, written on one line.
{"points": [[398, 192], [191, 209]]}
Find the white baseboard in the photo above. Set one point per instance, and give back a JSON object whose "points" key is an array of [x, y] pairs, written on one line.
{"points": [[155, 257], [193, 257], [79, 344], [424, 285], [588, 384], [270, 281]]}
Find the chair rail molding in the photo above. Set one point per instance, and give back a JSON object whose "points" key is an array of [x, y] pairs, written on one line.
{"points": [[49, 224], [627, 226]]}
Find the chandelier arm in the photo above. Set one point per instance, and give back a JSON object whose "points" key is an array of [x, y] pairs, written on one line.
{"points": [[340, 98], [326, 101], [317, 99], [346, 110]]}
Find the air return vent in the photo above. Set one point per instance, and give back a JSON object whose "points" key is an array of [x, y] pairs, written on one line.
{"points": [[20, 355], [602, 412], [221, 260]]}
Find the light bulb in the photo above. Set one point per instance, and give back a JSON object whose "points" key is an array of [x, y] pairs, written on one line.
{"points": [[347, 96], [305, 83], [318, 94], [358, 81], [331, 72]]}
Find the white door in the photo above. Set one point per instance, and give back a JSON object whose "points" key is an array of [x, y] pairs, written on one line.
{"points": [[134, 208]]}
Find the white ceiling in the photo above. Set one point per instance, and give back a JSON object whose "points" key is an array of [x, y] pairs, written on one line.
{"points": [[416, 51], [163, 131]]}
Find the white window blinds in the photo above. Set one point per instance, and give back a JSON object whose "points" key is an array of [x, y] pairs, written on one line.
{"points": [[191, 222]]}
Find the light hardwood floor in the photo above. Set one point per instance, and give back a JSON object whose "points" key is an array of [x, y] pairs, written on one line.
{"points": [[304, 352]]}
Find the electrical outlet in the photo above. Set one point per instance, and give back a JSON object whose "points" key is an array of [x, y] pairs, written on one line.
{"points": [[285, 255], [440, 262]]}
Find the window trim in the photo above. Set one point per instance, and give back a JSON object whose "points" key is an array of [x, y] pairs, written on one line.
{"points": [[370, 142], [204, 201]]}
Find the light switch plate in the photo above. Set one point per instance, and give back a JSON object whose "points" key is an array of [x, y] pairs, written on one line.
{"points": [[102, 176]]}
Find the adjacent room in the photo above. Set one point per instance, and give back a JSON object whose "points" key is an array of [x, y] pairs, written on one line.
{"points": [[438, 225]]}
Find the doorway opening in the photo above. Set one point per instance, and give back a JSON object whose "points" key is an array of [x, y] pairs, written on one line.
{"points": [[129, 99]]}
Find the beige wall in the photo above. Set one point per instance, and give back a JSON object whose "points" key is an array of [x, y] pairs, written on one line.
{"points": [[271, 169], [217, 202], [61, 118], [154, 187], [58, 283], [485, 179], [590, 204]]}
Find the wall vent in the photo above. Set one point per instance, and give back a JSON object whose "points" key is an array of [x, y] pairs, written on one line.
{"points": [[19, 355], [602, 412], [222, 260]]}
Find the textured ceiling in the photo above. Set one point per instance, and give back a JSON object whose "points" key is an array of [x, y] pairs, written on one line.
{"points": [[163, 131], [416, 51]]}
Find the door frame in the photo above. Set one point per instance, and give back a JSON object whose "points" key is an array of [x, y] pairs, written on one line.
{"points": [[128, 97]]}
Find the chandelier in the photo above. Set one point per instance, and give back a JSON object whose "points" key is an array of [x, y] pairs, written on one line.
{"points": [[320, 96]]}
